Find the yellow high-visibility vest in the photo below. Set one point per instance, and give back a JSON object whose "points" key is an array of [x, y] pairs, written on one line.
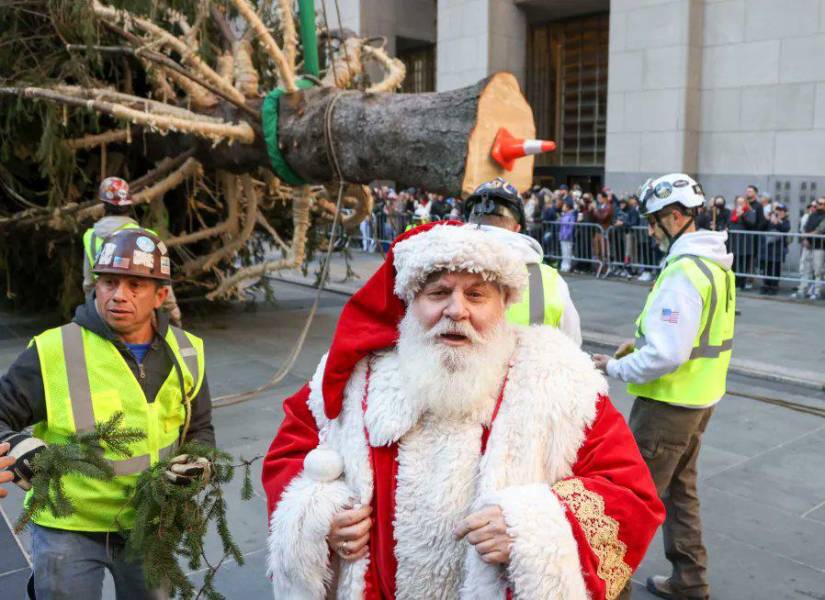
{"points": [[540, 303], [86, 380], [702, 379]]}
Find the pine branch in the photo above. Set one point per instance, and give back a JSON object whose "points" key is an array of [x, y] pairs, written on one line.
{"points": [[80, 456], [172, 521]]}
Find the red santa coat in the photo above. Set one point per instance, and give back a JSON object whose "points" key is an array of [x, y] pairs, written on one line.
{"points": [[559, 460]]}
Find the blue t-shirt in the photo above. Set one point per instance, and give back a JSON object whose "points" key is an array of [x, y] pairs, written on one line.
{"points": [[139, 350]]}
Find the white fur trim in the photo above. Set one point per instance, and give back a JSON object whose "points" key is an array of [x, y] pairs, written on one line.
{"points": [[451, 248], [544, 558], [323, 465], [298, 550], [444, 456]]}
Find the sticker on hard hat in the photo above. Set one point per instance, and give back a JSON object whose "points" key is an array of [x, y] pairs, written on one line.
{"points": [[164, 265], [145, 244], [681, 183], [121, 262], [162, 248], [145, 259], [106, 254]]}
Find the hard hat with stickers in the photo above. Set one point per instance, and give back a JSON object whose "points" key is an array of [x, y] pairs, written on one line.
{"points": [[135, 252], [115, 191]]}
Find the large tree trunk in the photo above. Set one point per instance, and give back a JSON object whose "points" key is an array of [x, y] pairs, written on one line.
{"points": [[440, 142]]}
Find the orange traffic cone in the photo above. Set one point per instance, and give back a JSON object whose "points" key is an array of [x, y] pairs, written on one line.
{"points": [[507, 148]]}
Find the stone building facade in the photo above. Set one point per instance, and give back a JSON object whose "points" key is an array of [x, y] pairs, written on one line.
{"points": [[730, 91]]}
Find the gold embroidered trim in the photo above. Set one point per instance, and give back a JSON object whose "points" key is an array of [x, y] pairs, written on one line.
{"points": [[602, 532]]}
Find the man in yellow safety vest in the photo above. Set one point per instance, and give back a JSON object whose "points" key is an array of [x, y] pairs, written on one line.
{"points": [[117, 204], [677, 368], [119, 354], [497, 207]]}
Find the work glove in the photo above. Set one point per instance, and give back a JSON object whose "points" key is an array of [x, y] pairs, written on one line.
{"points": [[24, 448], [185, 468]]}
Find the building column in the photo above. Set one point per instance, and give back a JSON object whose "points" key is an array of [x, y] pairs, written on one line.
{"points": [[653, 102], [477, 38]]}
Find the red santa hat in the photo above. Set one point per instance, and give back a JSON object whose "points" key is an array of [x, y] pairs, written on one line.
{"points": [[369, 320]]}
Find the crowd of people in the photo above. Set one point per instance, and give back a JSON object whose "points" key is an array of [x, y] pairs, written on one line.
{"points": [[605, 233]]}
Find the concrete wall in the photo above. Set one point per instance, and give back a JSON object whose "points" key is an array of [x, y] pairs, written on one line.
{"points": [[754, 96], [479, 37], [462, 55], [653, 82], [350, 13]]}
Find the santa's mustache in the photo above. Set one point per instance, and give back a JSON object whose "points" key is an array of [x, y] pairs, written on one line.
{"points": [[447, 326]]}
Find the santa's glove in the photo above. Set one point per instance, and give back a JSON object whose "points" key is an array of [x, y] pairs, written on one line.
{"points": [[24, 448], [186, 468]]}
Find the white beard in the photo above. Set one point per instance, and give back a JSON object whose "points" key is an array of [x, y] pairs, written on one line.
{"points": [[456, 383]]}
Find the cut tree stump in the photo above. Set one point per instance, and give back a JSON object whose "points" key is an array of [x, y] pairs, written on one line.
{"points": [[440, 142]]}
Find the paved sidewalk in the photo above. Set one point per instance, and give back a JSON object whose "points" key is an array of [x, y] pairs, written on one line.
{"points": [[775, 339], [761, 479]]}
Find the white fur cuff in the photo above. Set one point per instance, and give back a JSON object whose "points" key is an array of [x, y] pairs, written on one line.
{"points": [[452, 248], [544, 559], [298, 551]]}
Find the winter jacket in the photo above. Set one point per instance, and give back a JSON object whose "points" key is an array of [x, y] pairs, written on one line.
{"points": [[669, 344], [774, 250], [815, 226], [566, 228], [742, 244], [23, 398]]}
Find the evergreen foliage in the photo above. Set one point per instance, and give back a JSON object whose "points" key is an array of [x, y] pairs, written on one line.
{"points": [[82, 455], [171, 522]]}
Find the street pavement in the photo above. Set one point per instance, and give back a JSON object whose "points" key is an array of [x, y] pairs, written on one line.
{"points": [[762, 484]]}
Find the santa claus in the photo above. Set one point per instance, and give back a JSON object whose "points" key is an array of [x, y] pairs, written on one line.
{"points": [[439, 452]]}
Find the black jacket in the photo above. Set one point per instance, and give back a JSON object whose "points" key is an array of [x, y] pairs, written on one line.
{"points": [[813, 222], [23, 400]]}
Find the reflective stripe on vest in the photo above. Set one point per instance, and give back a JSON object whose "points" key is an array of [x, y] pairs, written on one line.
{"points": [[86, 379], [187, 352], [540, 304], [80, 397], [701, 379], [536, 288]]}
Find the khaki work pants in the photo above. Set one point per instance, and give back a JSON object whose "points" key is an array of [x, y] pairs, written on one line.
{"points": [[669, 438]]}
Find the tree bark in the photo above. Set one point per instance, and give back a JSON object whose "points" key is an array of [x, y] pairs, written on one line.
{"points": [[413, 139], [438, 141]]}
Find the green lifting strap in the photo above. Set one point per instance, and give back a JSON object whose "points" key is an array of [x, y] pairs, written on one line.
{"points": [[269, 121]]}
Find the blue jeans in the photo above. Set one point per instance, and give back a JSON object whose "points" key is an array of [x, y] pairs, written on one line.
{"points": [[69, 565]]}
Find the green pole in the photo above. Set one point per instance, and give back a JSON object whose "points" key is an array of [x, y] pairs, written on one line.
{"points": [[309, 41]]}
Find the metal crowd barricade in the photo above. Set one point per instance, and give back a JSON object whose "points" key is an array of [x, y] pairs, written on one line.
{"points": [[766, 256], [631, 251], [773, 257], [574, 246]]}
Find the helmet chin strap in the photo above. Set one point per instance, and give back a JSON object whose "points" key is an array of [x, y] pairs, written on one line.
{"points": [[671, 239]]}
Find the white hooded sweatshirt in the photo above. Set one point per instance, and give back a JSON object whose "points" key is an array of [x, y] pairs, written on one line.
{"points": [[670, 342], [531, 253]]}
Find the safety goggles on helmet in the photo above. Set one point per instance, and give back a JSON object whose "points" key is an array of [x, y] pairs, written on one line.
{"points": [[495, 197], [655, 195]]}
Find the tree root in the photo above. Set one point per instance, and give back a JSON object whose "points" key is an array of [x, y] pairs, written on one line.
{"points": [[93, 140], [285, 72], [193, 123], [167, 39]]}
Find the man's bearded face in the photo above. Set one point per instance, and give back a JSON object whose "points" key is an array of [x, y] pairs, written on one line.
{"points": [[455, 345], [459, 310]]}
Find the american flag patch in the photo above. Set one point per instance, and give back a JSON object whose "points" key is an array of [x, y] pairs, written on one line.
{"points": [[670, 316]]}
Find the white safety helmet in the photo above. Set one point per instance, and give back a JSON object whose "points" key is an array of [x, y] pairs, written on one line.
{"points": [[673, 188]]}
